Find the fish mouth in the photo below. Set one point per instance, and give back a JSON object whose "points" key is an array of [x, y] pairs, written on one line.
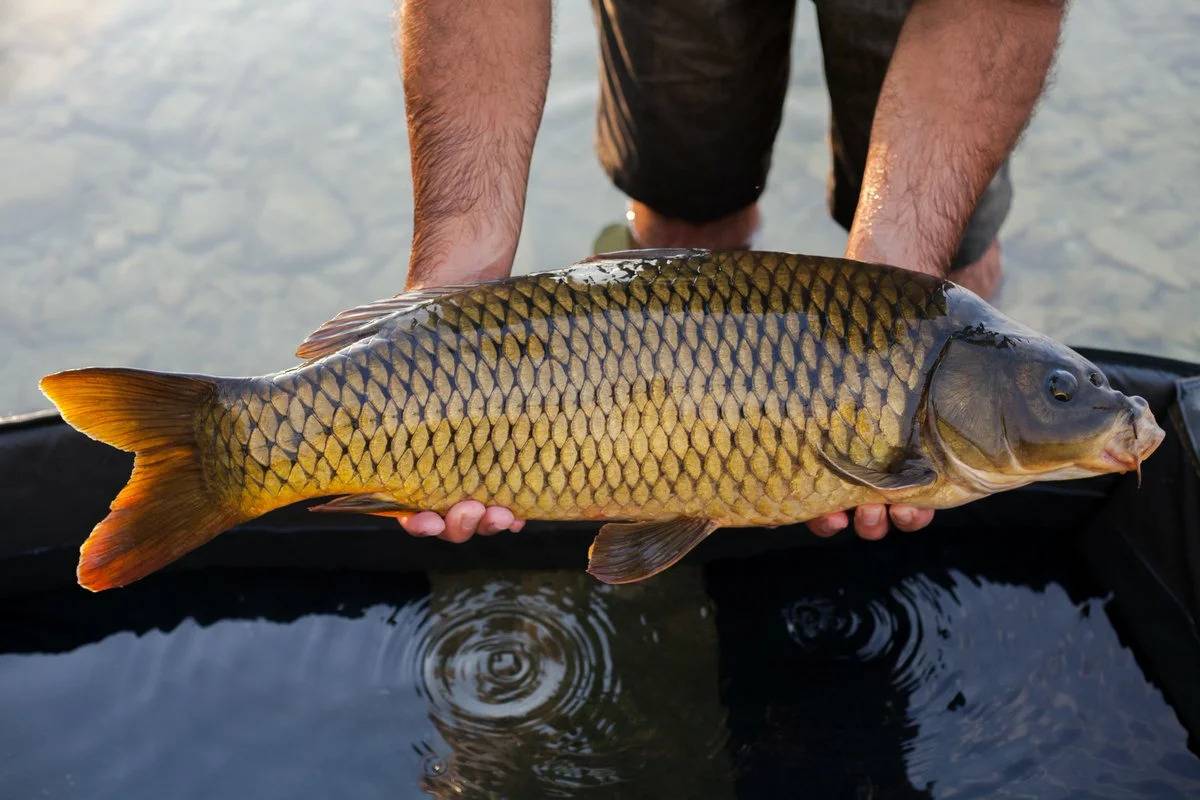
{"points": [[1126, 451], [1123, 462]]}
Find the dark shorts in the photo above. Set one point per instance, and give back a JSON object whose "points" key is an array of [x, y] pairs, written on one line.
{"points": [[692, 94]]}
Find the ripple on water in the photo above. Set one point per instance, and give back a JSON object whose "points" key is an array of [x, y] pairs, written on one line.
{"points": [[1027, 696], [525, 691]]}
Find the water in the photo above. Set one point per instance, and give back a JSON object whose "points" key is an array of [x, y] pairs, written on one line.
{"points": [[196, 185], [943, 665], [193, 186]]}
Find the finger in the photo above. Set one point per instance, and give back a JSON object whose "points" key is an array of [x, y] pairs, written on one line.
{"points": [[495, 519], [461, 521], [910, 518], [517, 525], [870, 521], [829, 524], [423, 523]]}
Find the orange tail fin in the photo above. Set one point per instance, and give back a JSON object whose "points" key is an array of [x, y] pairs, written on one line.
{"points": [[166, 509]]}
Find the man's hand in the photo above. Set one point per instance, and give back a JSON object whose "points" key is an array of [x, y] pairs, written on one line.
{"points": [[871, 521], [462, 521], [959, 90]]}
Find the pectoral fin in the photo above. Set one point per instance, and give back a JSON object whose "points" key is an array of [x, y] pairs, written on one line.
{"points": [[382, 505], [912, 473], [624, 552]]}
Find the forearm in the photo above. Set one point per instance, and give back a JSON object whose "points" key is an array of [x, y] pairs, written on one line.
{"points": [[961, 86], [475, 76]]}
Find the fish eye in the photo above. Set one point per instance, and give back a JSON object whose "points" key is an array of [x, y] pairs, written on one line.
{"points": [[1062, 385], [1096, 378]]}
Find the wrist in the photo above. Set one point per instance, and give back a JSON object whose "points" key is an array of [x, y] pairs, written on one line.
{"points": [[879, 243], [459, 254]]}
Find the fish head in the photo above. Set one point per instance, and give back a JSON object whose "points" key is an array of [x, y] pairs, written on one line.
{"points": [[1005, 410]]}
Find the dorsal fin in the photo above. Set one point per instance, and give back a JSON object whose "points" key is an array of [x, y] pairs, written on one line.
{"points": [[648, 254], [365, 320]]}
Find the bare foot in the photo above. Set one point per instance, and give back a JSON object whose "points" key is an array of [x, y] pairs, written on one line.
{"points": [[982, 276]]}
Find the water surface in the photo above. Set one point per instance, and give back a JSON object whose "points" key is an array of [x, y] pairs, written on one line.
{"points": [[195, 185], [945, 665]]}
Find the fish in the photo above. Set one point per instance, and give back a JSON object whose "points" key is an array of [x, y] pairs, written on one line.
{"points": [[667, 393]]}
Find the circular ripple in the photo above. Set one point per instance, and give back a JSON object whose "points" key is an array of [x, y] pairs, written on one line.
{"points": [[499, 660], [509, 674], [893, 628]]}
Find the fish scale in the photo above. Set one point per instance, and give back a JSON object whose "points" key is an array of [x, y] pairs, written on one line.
{"points": [[708, 385]]}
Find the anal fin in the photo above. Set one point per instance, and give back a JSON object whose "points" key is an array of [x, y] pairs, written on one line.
{"points": [[625, 552], [377, 503]]}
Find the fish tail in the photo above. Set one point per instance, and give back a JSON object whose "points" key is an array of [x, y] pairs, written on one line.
{"points": [[167, 508]]}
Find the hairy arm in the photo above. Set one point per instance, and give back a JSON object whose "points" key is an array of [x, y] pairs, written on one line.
{"points": [[475, 75], [960, 88]]}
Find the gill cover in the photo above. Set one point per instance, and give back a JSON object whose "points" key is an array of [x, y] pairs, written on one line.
{"points": [[1020, 405]]}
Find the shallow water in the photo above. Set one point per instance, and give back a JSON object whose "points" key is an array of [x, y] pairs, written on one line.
{"points": [[939, 666], [196, 185]]}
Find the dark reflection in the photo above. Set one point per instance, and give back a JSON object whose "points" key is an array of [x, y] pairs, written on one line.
{"points": [[249, 684], [937, 666], [64, 619], [550, 684], [949, 664]]}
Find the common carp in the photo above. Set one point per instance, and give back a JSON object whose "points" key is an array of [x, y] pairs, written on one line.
{"points": [[668, 392]]}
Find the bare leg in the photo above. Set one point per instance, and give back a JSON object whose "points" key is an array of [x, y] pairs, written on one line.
{"points": [[731, 232], [982, 276]]}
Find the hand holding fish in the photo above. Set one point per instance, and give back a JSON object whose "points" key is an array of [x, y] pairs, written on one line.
{"points": [[462, 521], [921, 174]]}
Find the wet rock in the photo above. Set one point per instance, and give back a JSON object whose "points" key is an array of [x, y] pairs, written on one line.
{"points": [[39, 184], [350, 268], [176, 113], [1167, 226], [301, 221], [372, 93], [345, 133], [1134, 250], [207, 216], [140, 217], [69, 308], [109, 241]]}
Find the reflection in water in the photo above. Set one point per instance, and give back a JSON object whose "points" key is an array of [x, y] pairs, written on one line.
{"points": [[494, 662], [931, 666], [543, 685], [531, 684], [891, 628], [518, 681], [848, 671]]}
